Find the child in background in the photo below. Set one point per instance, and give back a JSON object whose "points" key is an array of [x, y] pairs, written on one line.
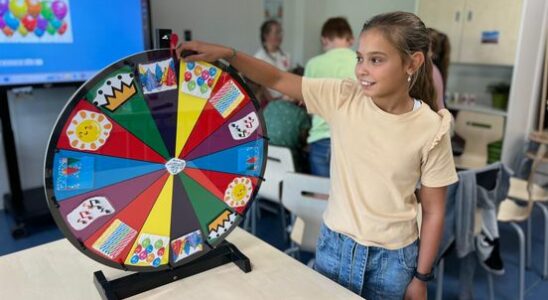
{"points": [[287, 125], [338, 61], [271, 35], [440, 51], [386, 138]]}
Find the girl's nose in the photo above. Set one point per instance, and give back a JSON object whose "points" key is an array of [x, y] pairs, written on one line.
{"points": [[361, 69]]}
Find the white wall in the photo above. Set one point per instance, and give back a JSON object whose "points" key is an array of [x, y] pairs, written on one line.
{"points": [[526, 80], [234, 23]]}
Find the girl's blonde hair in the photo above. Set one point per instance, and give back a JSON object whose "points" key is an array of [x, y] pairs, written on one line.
{"points": [[407, 33]]}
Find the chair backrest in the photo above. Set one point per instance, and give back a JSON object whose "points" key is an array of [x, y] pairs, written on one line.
{"points": [[478, 130], [305, 197], [511, 211], [279, 161]]}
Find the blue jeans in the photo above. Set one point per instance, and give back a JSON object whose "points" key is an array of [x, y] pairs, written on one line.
{"points": [[371, 272], [320, 157]]}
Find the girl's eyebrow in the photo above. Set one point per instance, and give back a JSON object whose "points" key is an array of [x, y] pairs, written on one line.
{"points": [[371, 53]]}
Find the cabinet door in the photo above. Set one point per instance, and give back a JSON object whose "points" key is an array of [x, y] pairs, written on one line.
{"points": [[490, 31], [445, 16]]}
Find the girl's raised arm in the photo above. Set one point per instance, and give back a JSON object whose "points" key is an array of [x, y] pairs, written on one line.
{"points": [[255, 69]]}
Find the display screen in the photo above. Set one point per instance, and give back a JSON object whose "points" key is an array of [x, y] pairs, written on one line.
{"points": [[56, 41]]}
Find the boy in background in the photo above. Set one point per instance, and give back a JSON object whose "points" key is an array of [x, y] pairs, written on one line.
{"points": [[338, 61]]}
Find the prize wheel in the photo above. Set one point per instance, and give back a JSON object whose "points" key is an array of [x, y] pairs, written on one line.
{"points": [[154, 161]]}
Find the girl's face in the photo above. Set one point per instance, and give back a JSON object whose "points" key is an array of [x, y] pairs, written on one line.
{"points": [[274, 37], [380, 69]]}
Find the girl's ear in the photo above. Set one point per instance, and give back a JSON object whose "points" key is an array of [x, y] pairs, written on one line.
{"points": [[416, 61]]}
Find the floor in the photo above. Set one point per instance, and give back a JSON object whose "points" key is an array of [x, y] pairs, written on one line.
{"points": [[269, 229]]}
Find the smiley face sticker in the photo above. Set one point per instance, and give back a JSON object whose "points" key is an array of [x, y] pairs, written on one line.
{"points": [[88, 130], [238, 192]]}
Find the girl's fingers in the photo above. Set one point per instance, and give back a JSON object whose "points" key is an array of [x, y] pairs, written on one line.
{"points": [[185, 48], [195, 57]]}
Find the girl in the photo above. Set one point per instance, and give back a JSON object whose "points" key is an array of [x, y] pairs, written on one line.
{"points": [[386, 138]]}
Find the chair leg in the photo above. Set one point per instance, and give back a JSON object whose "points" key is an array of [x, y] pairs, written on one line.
{"points": [[439, 279], [528, 245], [283, 217], [490, 286], [521, 237], [292, 251], [255, 212], [544, 210], [249, 216]]}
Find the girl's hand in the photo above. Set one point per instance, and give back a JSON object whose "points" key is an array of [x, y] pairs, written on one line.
{"points": [[416, 290], [196, 50]]}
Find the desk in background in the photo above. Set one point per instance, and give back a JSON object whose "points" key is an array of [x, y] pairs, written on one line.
{"points": [[59, 271]]}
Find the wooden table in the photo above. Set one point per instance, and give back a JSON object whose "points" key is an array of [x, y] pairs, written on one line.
{"points": [[58, 271]]}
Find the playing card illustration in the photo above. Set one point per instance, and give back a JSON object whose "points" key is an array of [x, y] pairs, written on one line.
{"points": [[244, 127], [89, 211]]}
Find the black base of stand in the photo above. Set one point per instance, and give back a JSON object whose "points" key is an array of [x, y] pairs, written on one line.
{"points": [[137, 283], [31, 209]]}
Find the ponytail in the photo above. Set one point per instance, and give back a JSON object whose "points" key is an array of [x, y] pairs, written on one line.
{"points": [[422, 84]]}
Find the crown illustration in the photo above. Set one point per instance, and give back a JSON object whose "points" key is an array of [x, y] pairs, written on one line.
{"points": [[221, 224], [115, 91]]}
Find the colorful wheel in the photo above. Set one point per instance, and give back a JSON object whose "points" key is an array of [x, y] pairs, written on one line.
{"points": [[154, 161]]}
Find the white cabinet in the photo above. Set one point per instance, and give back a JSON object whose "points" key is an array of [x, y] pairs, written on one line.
{"points": [[480, 31]]}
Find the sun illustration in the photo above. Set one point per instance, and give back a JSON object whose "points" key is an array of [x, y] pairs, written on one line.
{"points": [[238, 192], [88, 130]]}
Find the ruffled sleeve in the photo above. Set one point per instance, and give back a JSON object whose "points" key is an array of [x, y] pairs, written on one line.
{"points": [[445, 126], [437, 166]]}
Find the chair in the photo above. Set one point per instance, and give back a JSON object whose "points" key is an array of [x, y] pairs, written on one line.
{"points": [[526, 193], [478, 130], [488, 179], [305, 197], [279, 161]]}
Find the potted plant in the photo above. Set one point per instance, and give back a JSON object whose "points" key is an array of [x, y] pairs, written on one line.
{"points": [[499, 94]]}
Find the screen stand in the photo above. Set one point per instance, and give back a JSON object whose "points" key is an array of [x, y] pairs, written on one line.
{"points": [[29, 206], [137, 283]]}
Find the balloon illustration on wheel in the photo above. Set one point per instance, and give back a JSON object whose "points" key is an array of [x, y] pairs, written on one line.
{"points": [[154, 161]]}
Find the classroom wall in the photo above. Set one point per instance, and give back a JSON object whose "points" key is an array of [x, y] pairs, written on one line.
{"points": [[234, 23]]}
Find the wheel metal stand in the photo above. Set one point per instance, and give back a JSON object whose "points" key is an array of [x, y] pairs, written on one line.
{"points": [[137, 283]]}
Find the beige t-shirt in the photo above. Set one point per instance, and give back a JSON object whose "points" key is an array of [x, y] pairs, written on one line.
{"points": [[377, 160]]}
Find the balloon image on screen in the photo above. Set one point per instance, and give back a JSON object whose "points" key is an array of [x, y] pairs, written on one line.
{"points": [[154, 161]]}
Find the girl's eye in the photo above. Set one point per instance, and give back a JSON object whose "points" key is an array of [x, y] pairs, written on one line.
{"points": [[359, 59], [375, 60]]}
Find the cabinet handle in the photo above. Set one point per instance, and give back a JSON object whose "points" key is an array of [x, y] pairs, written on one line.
{"points": [[457, 16], [469, 16]]}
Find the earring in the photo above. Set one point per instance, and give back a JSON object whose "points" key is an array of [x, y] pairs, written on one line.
{"points": [[409, 78]]}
